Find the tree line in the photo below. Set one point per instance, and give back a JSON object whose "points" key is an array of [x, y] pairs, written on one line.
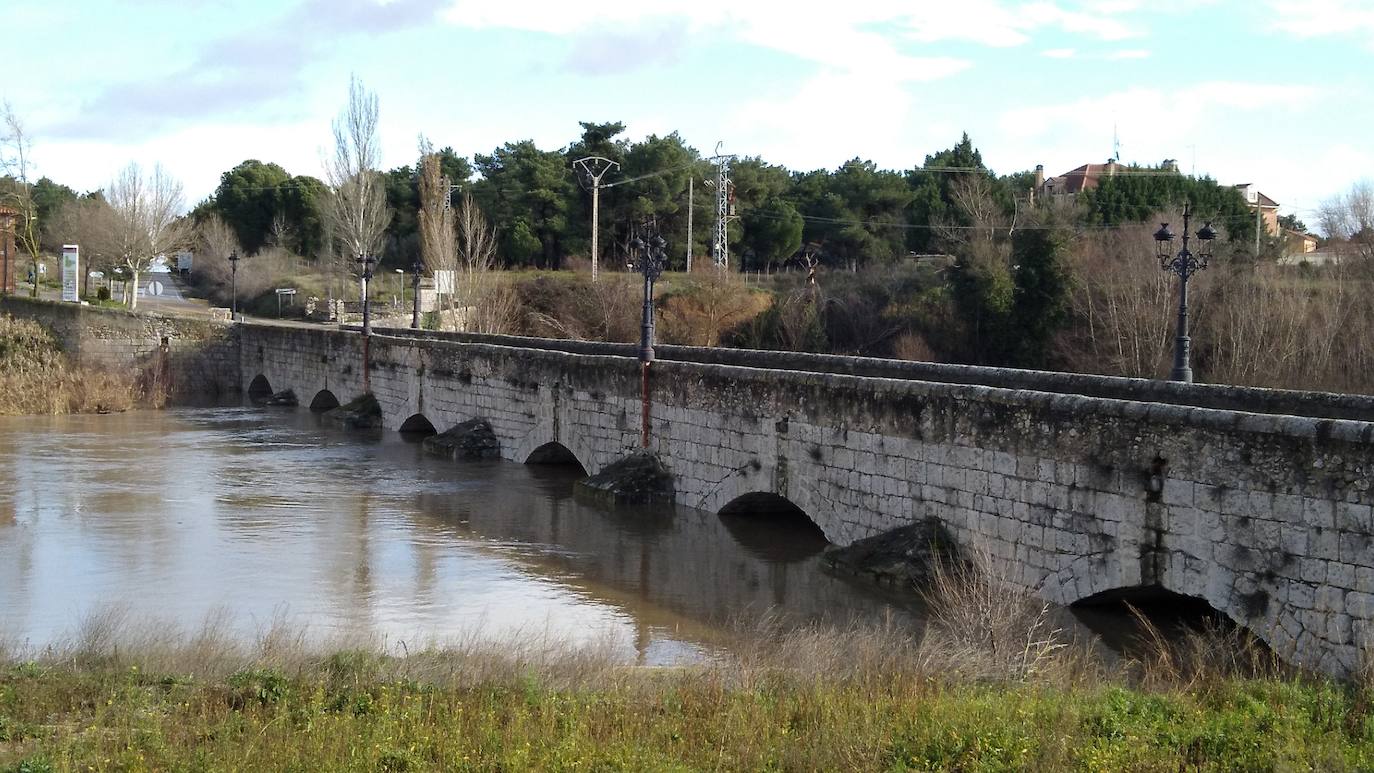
{"points": [[852, 216]]}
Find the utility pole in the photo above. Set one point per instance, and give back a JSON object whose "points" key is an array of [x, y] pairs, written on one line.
{"points": [[595, 167], [720, 241], [690, 202]]}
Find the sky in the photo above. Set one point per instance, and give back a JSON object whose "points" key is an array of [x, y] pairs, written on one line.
{"points": [[1278, 93]]}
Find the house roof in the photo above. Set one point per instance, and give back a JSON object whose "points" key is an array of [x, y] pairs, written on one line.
{"points": [[1081, 179], [1261, 201]]}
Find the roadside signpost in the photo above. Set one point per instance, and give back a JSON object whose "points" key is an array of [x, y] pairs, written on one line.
{"points": [[287, 292], [71, 273]]}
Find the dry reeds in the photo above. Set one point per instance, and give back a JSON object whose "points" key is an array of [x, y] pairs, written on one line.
{"points": [[1198, 658], [987, 627], [1252, 324], [37, 378]]}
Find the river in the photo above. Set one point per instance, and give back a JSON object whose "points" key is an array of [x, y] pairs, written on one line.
{"points": [[257, 515]]}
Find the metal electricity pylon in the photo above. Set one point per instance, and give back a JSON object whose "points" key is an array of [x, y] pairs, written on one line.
{"points": [[595, 167], [720, 240]]}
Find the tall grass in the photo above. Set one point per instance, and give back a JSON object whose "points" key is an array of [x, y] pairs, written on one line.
{"points": [[36, 377], [987, 686]]}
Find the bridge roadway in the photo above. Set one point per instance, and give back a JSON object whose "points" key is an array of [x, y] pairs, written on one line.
{"points": [[1257, 501]]}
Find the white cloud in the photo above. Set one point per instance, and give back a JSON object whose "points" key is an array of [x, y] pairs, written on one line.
{"points": [[874, 116], [196, 156], [866, 35], [1321, 18], [1168, 118], [1060, 53]]}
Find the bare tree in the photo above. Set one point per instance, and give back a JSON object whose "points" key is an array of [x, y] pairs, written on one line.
{"points": [[438, 245], [1121, 304], [484, 302], [1350, 217], [15, 147], [357, 210], [216, 238], [145, 220]]}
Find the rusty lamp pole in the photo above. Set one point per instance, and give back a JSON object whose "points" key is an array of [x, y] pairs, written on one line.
{"points": [[651, 257], [1183, 263], [415, 270], [234, 286], [366, 262]]}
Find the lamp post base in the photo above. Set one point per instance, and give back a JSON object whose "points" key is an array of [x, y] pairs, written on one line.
{"points": [[1182, 371]]}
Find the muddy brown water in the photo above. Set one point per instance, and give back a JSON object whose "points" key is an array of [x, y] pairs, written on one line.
{"points": [[253, 516], [261, 514]]}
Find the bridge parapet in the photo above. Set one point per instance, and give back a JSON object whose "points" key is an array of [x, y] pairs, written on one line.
{"points": [[1328, 405]]}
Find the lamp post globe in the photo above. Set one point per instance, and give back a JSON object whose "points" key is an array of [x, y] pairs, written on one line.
{"points": [[651, 257]]}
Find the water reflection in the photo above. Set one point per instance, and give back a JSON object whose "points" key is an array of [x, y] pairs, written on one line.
{"points": [[178, 513]]}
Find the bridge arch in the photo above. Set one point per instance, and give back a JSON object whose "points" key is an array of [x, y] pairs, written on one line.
{"points": [[1172, 615], [1240, 601], [755, 519], [554, 452], [259, 388], [418, 426], [324, 400]]}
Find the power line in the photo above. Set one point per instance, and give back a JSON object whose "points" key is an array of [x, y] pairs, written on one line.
{"points": [[933, 226], [659, 173]]}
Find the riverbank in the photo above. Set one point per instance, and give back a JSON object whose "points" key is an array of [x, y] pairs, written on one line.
{"points": [[987, 685], [37, 377], [843, 709]]}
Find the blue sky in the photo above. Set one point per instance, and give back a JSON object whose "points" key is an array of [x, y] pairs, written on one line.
{"points": [[1274, 92]]}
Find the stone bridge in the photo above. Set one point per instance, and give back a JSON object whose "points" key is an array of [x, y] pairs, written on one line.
{"points": [[1257, 501]]}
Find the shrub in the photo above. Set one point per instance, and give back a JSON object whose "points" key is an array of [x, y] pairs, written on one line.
{"points": [[702, 308]]}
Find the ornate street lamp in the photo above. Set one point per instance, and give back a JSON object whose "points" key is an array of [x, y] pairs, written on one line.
{"points": [[234, 285], [366, 262], [415, 270], [651, 257], [1183, 263]]}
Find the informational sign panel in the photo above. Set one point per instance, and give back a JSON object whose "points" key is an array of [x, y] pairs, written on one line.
{"points": [[183, 262], [71, 273], [444, 281]]}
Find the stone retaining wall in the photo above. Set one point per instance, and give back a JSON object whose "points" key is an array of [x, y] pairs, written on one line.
{"points": [[198, 358]]}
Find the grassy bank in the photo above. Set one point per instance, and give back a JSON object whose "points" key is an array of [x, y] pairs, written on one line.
{"points": [[985, 687], [451, 711], [36, 377]]}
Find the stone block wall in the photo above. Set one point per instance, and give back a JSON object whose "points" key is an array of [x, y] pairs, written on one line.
{"points": [[196, 358]]}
